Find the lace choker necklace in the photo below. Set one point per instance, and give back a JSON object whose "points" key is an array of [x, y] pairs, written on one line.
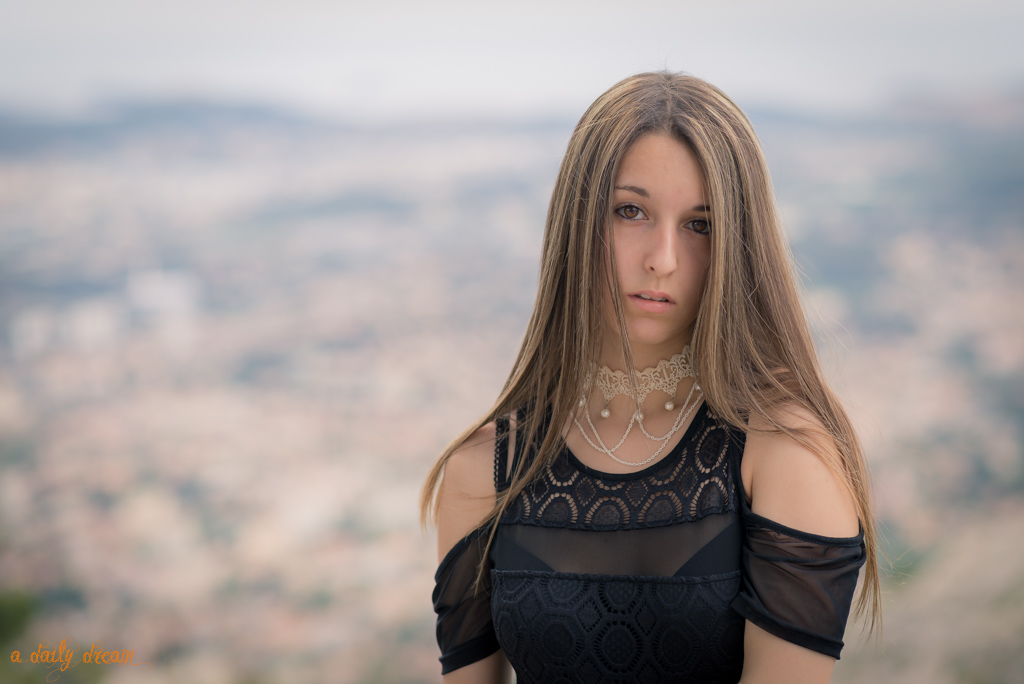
{"points": [[665, 377]]}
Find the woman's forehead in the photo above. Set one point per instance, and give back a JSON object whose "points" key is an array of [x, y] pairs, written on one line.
{"points": [[658, 165]]}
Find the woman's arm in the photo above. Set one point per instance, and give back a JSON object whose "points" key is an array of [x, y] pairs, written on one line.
{"points": [[788, 483], [465, 498], [494, 669]]}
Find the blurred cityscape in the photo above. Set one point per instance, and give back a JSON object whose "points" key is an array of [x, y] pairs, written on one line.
{"points": [[232, 341]]}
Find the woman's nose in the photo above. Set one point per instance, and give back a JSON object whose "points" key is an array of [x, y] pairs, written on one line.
{"points": [[662, 257]]}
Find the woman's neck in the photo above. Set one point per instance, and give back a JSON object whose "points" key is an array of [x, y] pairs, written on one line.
{"points": [[643, 358]]}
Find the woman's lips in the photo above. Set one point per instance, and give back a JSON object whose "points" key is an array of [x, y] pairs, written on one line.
{"points": [[651, 302]]}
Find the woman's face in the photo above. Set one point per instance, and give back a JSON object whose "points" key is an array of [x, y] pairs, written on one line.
{"points": [[660, 230]]}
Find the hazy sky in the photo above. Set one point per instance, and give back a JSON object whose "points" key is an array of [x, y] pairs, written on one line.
{"points": [[402, 58]]}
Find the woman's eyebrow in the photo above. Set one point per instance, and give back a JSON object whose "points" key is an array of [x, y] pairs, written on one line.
{"points": [[643, 193], [633, 188]]}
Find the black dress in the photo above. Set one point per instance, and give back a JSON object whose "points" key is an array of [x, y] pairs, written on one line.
{"points": [[640, 577]]}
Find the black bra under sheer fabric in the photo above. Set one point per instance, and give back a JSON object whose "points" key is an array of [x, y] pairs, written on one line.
{"points": [[639, 577]]}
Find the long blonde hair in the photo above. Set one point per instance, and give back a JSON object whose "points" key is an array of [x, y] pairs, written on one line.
{"points": [[751, 344]]}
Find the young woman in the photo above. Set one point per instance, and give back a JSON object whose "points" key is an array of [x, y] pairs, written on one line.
{"points": [[666, 489]]}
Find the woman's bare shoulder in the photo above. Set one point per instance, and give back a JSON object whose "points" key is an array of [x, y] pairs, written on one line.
{"points": [[467, 492], [792, 484], [469, 471]]}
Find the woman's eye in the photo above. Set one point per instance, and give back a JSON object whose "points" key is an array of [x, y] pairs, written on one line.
{"points": [[630, 212], [701, 226]]}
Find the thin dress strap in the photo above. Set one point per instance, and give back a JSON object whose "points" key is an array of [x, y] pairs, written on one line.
{"points": [[501, 430], [503, 436]]}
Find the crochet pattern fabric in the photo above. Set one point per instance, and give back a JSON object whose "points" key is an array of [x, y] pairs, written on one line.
{"points": [[685, 486], [600, 629]]}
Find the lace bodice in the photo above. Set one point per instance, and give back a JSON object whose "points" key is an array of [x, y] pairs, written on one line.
{"points": [[644, 576]]}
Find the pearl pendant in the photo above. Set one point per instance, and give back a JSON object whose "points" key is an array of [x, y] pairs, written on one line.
{"points": [[669, 405], [639, 415], [583, 402], [605, 412]]}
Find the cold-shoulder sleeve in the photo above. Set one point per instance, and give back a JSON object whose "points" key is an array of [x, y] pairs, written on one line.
{"points": [[465, 632], [798, 586]]}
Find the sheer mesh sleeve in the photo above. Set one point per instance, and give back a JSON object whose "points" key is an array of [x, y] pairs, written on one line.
{"points": [[798, 586], [465, 632]]}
